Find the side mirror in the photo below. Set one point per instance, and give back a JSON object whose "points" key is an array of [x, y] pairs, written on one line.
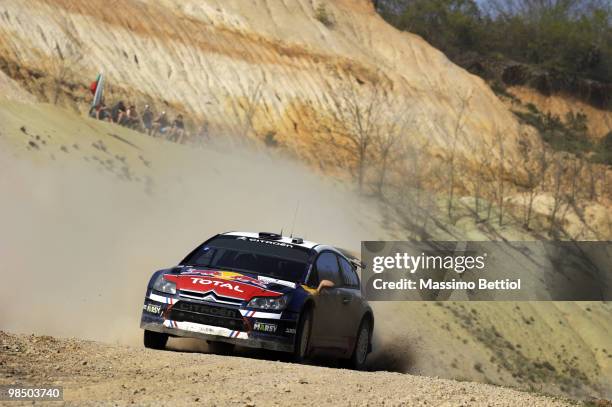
{"points": [[325, 284]]}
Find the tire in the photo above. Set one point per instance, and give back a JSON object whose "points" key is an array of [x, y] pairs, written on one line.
{"points": [[220, 348], [362, 344], [302, 337], [155, 340]]}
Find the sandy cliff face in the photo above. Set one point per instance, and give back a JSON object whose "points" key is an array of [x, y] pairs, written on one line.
{"points": [[274, 58], [12, 91], [599, 121]]}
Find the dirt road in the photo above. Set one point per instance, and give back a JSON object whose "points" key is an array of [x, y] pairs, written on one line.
{"points": [[96, 373]]}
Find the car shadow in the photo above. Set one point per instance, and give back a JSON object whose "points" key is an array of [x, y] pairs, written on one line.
{"points": [[377, 361]]}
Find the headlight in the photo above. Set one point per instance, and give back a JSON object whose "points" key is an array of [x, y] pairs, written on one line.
{"points": [[271, 303], [165, 286]]}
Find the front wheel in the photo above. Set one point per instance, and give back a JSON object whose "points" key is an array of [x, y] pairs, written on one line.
{"points": [[155, 340], [302, 338], [360, 353]]}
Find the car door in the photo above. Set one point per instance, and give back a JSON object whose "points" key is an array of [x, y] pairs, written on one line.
{"points": [[351, 305], [326, 335]]}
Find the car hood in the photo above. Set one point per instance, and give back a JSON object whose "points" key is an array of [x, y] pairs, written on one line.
{"points": [[231, 284]]}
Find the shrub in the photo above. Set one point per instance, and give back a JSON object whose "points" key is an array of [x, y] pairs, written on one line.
{"points": [[325, 17], [603, 150], [270, 139], [570, 135], [500, 89], [571, 37]]}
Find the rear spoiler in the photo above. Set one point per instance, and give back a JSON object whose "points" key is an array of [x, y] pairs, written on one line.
{"points": [[355, 261]]}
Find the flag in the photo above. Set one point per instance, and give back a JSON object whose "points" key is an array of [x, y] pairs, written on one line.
{"points": [[97, 87]]}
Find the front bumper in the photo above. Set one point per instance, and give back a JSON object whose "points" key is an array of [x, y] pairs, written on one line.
{"points": [[192, 319]]}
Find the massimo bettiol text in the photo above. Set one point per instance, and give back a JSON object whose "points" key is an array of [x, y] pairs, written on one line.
{"points": [[485, 271]]}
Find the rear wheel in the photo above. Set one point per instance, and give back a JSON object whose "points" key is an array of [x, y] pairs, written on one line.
{"points": [[220, 348], [155, 340], [362, 344], [302, 338]]}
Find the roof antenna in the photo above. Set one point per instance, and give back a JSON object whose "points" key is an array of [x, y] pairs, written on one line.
{"points": [[294, 217]]}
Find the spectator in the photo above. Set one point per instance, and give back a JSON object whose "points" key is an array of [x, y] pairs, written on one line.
{"points": [[103, 113], [99, 112], [160, 124], [178, 129], [118, 112], [93, 111], [147, 119], [131, 118]]}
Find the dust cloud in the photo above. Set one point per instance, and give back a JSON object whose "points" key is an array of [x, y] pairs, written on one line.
{"points": [[78, 246]]}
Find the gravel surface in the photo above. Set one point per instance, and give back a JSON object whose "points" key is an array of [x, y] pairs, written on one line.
{"points": [[97, 373]]}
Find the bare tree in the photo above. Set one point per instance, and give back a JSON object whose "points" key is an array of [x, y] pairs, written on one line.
{"points": [[416, 157], [535, 165], [576, 172], [479, 180], [63, 67], [499, 139], [558, 175], [388, 142], [385, 146], [359, 119], [605, 186], [591, 168], [249, 103], [451, 152], [66, 62]]}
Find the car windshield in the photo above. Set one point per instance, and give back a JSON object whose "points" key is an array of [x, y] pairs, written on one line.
{"points": [[270, 258]]}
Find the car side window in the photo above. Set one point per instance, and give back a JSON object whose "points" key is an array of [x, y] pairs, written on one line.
{"points": [[327, 268], [313, 278], [349, 275]]}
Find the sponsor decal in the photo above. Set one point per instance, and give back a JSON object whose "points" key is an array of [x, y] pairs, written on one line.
{"points": [[162, 299], [259, 314], [290, 331], [222, 283], [216, 283], [264, 327], [269, 280], [205, 329], [270, 242], [227, 275], [152, 308], [206, 309]]}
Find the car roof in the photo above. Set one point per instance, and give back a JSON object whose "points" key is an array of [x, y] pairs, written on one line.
{"points": [[347, 254], [284, 239]]}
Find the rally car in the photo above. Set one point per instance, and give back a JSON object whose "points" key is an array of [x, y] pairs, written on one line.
{"points": [[262, 290]]}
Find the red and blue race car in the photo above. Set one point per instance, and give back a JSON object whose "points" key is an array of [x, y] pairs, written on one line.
{"points": [[262, 290]]}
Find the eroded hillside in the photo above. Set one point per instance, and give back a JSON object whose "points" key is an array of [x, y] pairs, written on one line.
{"points": [[286, 73], [210, 58], [599, 120]]}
